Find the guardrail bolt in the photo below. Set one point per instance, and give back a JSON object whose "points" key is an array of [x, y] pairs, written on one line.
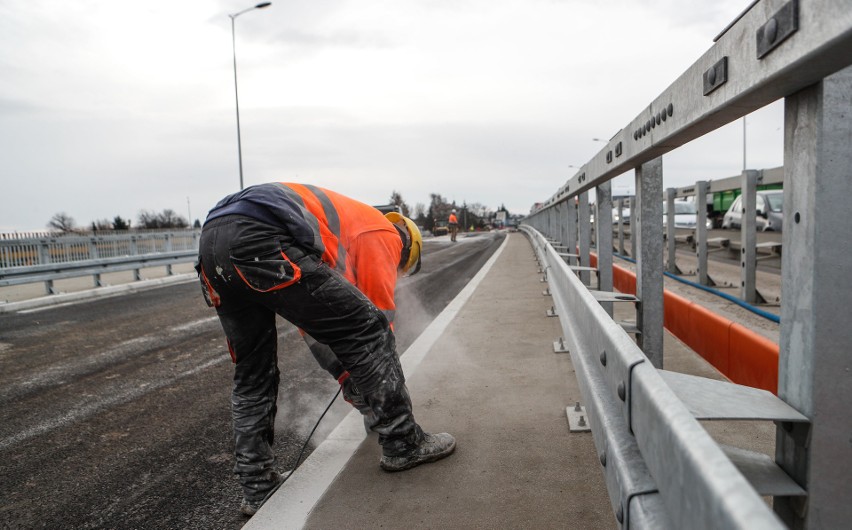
{"points": [[582, 422], [622, 395], [670, 109], [603, 357], [603, 458], [771, 31], [577, 407]]}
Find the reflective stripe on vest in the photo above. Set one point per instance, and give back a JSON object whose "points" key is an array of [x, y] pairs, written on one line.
{"points": [[326, 230], [333, 220]]}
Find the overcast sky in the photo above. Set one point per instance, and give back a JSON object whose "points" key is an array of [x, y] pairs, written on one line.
{"points": [[112, 107]]}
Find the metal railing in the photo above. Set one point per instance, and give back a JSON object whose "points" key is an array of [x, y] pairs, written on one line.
{"points": [[661, 468], [46, 259]]}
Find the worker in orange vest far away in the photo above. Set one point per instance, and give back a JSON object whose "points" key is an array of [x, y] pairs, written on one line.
{"points": [[328, 264], [453, 223]]}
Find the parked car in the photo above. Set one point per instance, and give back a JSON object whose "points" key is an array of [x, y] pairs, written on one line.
{"points": [[625, 216], [769, 211], [686, 216]]}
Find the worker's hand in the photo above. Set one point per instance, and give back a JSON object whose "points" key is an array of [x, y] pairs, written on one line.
{"points": [[351, 393]]}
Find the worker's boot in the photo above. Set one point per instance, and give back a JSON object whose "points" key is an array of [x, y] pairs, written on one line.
{"points": [[251, 506], [432, 447]]}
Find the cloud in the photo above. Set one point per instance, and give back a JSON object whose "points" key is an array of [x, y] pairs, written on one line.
{"points": [[109, 108]]}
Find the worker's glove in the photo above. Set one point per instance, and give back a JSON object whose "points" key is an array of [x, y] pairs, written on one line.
{"points": [[351, 393]]}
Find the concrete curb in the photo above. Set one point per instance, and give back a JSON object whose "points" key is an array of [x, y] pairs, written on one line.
{"points": [[100, 292]]}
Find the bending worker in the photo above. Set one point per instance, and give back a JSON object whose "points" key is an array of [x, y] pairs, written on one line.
{"points": [[453, 223], [299, 251]]}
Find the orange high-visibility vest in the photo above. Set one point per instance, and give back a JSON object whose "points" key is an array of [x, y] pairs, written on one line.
{"points": [[358, 241]]}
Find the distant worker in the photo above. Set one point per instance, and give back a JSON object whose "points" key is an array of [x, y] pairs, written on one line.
{"points": [[299, 251], [453, 224]]}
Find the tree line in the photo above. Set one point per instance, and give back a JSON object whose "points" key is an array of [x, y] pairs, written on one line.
{"points": [[471, 216], [166, 219]]}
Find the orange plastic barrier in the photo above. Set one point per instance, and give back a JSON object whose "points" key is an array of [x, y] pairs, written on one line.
{"points": [[745, 357]]}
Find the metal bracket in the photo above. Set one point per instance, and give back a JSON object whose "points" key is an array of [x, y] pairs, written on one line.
{"points": [[577, 421], [546, 292], [552, 312], [716, 76], [605, 296], [783, 23], [559, 346]]}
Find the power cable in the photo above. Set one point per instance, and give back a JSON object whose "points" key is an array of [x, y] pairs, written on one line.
{"points": [[304, 446]]}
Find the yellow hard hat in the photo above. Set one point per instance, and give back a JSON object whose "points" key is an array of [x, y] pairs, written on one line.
{"points": [[411, 252]]}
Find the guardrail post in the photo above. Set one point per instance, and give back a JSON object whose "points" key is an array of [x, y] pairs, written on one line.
{"points": [[571, 225], [585, 234], [93, 248], [560, 209], [620, 204], [671, 265], [603, 233], [43, 252], [748, 239], [815, 371], [593, 224], [647, 230], [632, 203], [701, 232]]}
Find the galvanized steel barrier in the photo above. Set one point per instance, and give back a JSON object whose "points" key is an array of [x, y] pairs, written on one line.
{"points": [[661, 467], [46, 259]]}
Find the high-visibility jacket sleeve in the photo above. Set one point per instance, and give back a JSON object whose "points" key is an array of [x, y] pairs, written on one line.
{"points": [[374, 258]]}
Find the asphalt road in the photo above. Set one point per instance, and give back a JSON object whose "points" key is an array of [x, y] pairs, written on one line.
{"points": [[115, 413]]}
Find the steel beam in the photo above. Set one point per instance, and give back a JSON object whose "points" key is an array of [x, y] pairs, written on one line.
{"points": [[748, 237], [815, 366], [645, 216], [603, 231], [584, 234]]}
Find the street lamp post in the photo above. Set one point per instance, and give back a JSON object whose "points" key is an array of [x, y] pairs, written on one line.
{"points": [[236, 92]]}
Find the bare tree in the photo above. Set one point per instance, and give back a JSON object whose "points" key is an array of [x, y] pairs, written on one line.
{"points": [[165, 219], [62, 222], [101, 224], [396, 198]]}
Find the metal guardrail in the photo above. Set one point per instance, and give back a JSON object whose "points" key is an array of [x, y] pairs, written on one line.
{"points": [[652, 449], [661, 469], [49, 259]]}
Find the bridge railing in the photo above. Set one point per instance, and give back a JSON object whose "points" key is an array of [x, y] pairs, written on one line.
{"points": [[643, 418], [45, 259]]}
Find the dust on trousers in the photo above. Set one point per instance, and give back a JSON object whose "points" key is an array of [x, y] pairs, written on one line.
{"points": [[251, 271]]}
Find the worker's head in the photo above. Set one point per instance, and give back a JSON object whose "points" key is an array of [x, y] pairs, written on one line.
{"points": [[409, 262], [454, 210]]}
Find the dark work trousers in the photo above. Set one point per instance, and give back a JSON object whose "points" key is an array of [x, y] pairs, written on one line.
{"points": [[251, 271]]}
